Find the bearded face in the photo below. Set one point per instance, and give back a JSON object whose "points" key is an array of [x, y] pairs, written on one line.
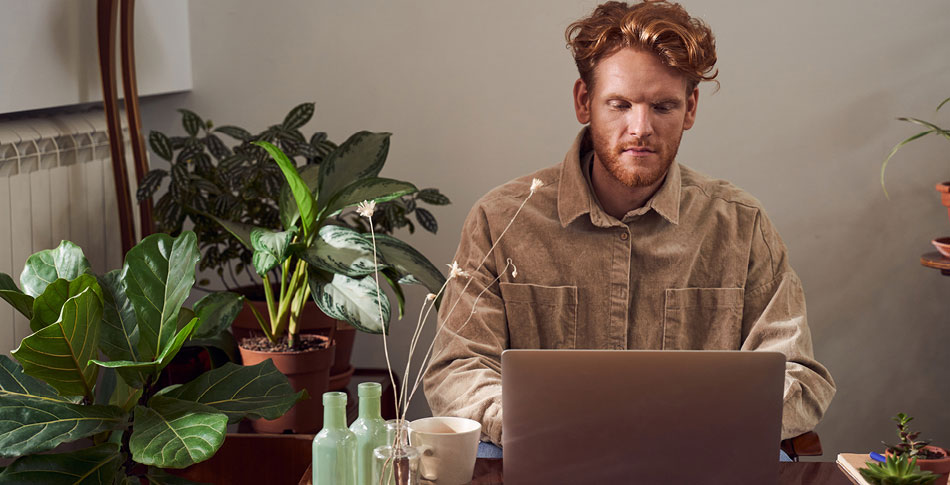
{"points": [[637, 110]]}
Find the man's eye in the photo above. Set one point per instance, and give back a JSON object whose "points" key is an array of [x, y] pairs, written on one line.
{"points": [[663, 108], [618, 105]]}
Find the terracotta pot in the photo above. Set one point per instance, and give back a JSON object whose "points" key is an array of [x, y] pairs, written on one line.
{"points": [[310, 370], [944, 189], [312, 321], [940, 466]]}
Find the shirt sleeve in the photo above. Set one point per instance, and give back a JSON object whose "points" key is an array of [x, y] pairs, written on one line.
{"points": [[774, 319], [464, 377]]}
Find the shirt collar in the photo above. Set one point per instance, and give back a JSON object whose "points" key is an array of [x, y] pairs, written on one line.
{"points": [[576, 198]]}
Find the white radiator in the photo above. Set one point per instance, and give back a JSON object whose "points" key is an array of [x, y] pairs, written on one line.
{"points": [[56, 183]]}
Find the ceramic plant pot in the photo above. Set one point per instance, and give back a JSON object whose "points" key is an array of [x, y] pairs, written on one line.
{"points": [[312, 321], [310, 370], [944, 189], [940, 466]]}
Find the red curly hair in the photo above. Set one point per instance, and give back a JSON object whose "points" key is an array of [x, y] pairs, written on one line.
{"points": [[683, 43]]}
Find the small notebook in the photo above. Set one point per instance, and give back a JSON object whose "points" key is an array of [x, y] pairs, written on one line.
{"points": [[850, 463]]}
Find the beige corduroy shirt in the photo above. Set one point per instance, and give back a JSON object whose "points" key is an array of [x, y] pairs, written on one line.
{"points": [[699, 266]]}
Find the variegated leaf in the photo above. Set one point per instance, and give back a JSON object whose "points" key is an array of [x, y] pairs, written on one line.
{"points": [[360, 156], [270, 248], [409, 262], [371, 188], [340, 250], [355, 301]]}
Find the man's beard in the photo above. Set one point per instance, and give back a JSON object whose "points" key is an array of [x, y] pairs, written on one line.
{"points": [[638, 175]]}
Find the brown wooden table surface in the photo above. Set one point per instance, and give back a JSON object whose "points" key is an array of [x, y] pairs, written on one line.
{"points": [[488, 471]]}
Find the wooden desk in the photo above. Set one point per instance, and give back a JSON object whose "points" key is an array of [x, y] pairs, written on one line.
{"points": [[489, 472]]}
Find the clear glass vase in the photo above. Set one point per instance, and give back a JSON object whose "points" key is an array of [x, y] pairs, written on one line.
{"points": [[396, 463]]}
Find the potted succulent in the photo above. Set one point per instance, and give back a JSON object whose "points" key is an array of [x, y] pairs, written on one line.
{"points": [[238, 182], [315, 256], [896, 470], [126, 425], [942, 243], [929, 458]]}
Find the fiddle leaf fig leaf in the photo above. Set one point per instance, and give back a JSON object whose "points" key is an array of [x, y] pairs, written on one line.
{"points": [[160, 274], [217, 311], [119, 336], [340, 250], [163, 359], [22, 302], [256, 391], [60, 353], [14, 382], [361, 156], [47, 307], [173, 433], [43, 423], [95, 465], [44, 267], [355, 301], [270, 248], [372, 188]]}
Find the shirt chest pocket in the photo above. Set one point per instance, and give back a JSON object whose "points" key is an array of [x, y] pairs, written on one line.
{"points": [[703, 319], [540, 317]]}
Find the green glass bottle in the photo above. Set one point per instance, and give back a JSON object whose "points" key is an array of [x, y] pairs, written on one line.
{"points": [[334, 447], [370, 430]]}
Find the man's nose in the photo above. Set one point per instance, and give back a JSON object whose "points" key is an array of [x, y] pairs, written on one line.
{"points": [[640, 122]]}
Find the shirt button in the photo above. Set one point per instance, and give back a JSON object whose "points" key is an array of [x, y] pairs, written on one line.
{"points": [[624, 236]]}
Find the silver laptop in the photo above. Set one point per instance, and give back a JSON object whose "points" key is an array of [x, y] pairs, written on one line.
{"points": [[644, 417]]}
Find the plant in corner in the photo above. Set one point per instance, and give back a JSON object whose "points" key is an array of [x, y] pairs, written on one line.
{"points": [[127, 426], [897, 470], [928, 457], [317, 257]]}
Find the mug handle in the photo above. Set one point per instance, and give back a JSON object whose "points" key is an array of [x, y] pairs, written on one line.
{"points": [[426, 450]]}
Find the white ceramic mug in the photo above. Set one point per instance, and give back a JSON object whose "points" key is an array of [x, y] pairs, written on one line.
{"points": [[448, 447]]}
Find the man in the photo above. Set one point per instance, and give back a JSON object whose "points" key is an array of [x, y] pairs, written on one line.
{"points": [[623, 247]]}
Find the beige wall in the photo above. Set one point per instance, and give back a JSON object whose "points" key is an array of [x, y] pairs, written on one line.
{"points": [[477, 93]]}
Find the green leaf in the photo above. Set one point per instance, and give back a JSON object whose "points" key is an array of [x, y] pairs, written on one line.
{"points": [[59, 353], [393, 279], [22, 302], [305, 203], [240, 231], [35, 424], [355, 301], [256, 391], [14, 382], [298, 116], [190, 121], [160, 274], [44, 267], [216, 312], [217, 147], [223, 341], [942, 103], [270, 248], [150, 183], [160, 145], [371, 188], [172, 433], [360, 156], [46, 307], [95, 465], [427, 220], [339, 249], [163, 359], [409, 262], [310, 174], [125, 396], [119, 335], [894, 151], [235, 132], [433, 196]]}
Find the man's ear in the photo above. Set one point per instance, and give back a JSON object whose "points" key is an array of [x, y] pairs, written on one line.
{"points": [[581, 101], [691, 102]]}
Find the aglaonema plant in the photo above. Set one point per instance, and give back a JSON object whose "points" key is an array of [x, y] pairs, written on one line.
{"points": [[60, 388], [318, 257]]}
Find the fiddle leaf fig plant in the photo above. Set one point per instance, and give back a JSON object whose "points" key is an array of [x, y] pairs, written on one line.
{"points": [[317, 256], [90, 369]]}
